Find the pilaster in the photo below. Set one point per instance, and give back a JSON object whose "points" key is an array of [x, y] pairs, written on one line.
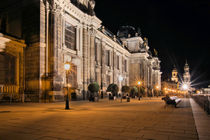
{"points": [[103, 70], [85, 58], [92, 55]]}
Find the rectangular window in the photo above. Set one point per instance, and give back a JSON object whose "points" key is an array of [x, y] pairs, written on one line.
{"points": [[70, 36], [125, 65], [96, 52], [118, 62], [107, 57]]}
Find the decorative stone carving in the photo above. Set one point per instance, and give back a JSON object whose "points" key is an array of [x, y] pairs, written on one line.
{"points": [[86, 6], [83, 2], [87, 3], [67, 58], [92, 32], [92, 4]]}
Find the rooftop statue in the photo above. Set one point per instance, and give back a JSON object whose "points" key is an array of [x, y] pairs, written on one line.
{"points": [[83, 2], [86, 6]]}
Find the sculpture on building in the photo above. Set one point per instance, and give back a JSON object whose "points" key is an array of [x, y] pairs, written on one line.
{"points": [[86, 6], [143, 46]]}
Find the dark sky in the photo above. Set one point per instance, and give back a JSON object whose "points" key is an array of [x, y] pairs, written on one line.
{"points": [[178, 29]]}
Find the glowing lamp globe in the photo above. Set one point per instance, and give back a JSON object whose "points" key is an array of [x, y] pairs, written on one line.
{"points": [[67, 66], [185, 87], [120, 78]]}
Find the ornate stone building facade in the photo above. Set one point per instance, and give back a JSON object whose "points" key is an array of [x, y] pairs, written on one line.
{"points": [[186, 75], [174, 76], [187, 78], [60, 31]]}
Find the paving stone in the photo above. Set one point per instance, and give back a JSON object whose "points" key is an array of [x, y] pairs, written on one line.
{"points": [[147, 119]]}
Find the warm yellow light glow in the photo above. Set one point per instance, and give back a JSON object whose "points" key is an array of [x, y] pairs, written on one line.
{"points": [[68, 85], [185, 86], [139, 83], [157, 87], [67, 66]]}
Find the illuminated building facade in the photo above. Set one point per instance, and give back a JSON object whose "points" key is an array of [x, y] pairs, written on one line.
{"points": [[174, 76], [53, 32]]}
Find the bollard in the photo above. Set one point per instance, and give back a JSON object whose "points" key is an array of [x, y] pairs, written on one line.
{"points": [[67, 102]]}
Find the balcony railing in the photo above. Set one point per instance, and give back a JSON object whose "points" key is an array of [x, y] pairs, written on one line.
{"points": [[203, 101], [9, 93], [10, 89]]}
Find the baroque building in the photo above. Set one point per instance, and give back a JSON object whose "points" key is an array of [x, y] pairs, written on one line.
{"points": [[39, 36], [186, 77], [174, 76]]}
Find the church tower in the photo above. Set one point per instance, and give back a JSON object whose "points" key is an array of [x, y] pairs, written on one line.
{"points": [[174, 76], [186, 75]]}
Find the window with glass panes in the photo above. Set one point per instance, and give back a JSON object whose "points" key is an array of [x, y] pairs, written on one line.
{"points": [[70, 36], [107, 57]]}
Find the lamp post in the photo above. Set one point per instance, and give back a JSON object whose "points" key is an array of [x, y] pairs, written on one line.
{"points": [[67, 67], [120, 78], [157, 90], [185, 86], [139, 84]]}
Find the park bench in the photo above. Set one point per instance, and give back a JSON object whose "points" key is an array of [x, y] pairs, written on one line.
{"points": [[171, 100]]}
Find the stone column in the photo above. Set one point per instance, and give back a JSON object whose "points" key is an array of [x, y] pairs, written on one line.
{"points": [[92, 55], [85, 58], [103, 71], [145, 73], [114, 66], [46, 37]]}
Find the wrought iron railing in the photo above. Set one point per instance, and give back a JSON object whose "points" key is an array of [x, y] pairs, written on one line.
{"points": [[9, 93], [203, 101]]}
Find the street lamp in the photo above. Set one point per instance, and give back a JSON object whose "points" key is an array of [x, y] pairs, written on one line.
{"points": [[185, 86], [120, 78], [139, 84], [67, 67]]}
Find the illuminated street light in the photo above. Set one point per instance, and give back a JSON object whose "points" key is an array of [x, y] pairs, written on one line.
{"points": [[185, 87], [120, 78], [67, 67], [139, 84]]}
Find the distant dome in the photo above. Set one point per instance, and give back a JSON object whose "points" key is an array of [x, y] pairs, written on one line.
{"points": [[128, 31]]}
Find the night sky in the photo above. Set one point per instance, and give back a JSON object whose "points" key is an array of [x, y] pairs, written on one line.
{"points": [[178, 29]]}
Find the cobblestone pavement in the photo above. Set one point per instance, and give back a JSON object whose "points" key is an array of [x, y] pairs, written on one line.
{"points": [[146, 119]]}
